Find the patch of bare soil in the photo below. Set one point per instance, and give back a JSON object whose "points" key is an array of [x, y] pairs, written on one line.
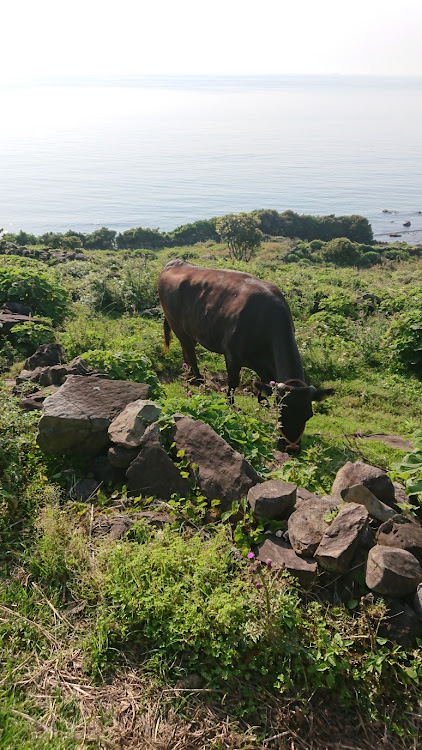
{"points": [[395, 441]]}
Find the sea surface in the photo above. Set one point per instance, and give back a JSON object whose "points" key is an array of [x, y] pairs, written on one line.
{"points": [[164, 151]]}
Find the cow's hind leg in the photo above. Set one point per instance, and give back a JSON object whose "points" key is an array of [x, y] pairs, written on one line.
{"points": [[189, 355], [233, 373]]}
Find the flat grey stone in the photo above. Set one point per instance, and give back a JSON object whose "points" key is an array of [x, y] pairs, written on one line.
{"points": [[401, 533]]}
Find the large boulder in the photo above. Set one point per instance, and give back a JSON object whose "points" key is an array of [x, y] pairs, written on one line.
{"points": [[153, 472], [401, 533], [221, 473], [376, 480], [272, 499], [281, 555], [339, 543], [308, 524], [128, 427], [76, 418], [392, 572]]}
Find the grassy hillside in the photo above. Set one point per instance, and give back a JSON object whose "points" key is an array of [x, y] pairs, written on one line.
{"points": [[162, 639]]}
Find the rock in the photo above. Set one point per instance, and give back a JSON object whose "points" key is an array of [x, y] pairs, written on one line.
{"points": [[401, 533], [129, 426], [80, 256], [36, 400], [114, 526], [400, 624], [151, 312], [85, 489], [360, 494], [76, 418], [339, 543], [153, 472], [10, 319], [105, 473], [156, 517], [120, 457], [417, 602], [18, 307], [282, 555], [392, 572], [222, 472], [374, 479], [308, 524], [57, 374], [46, 355], [272, 499], [400, 494], [407, 223]]}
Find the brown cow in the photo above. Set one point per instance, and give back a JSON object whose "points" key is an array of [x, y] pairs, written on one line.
{"points": [[249, 322]]}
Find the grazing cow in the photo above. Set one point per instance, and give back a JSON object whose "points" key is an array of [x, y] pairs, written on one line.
{"points": [[249, 322]]}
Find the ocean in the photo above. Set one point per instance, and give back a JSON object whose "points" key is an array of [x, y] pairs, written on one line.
{"points": [[162, 151]]}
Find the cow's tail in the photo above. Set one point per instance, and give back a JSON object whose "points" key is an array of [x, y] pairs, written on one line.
{"points": [[167, 335]]}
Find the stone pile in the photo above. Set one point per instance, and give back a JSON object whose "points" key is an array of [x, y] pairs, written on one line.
{"points": [[329, 541]]}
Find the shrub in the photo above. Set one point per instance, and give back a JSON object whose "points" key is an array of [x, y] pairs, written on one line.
{"points": [[26, 337], [241, 233], [404, 337], [369, 259], [341, 251], [33, 287], [316, 244]]}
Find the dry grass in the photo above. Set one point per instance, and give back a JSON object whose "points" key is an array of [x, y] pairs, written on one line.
{"points": [[132, 712]]}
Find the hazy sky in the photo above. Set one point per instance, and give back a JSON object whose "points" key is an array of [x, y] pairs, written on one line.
{"points": [[99, 37]]}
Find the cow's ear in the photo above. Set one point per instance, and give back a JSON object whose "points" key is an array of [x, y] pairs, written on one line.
{"points": [[319, 394], [263, 388]]}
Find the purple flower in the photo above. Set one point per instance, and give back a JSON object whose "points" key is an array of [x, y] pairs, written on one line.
{"points": [[251, 555], [245, 390], [272, 383], [189, 394], [222, 390], [185, 365], [359, 434], [258, 585], [268, 563]]}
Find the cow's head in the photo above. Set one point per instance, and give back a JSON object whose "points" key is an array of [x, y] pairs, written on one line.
{"points": [[295, 402]]}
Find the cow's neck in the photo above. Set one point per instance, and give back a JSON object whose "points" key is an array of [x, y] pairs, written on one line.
{"points": [[288, 363]]}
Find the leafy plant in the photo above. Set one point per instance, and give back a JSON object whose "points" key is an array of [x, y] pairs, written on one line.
{"points": [[124, 366], [40, 290]]}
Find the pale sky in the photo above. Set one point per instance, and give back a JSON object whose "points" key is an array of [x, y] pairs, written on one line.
{"points": [[99, 37]]}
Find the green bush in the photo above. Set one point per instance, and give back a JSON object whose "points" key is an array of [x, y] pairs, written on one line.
{"points": [[369, 259], [316, 244], [404, 337], [28, 336], [341, 251], [38, 289], [124, 366]]}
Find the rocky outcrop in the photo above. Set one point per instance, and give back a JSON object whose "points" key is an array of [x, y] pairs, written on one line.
{"points": [[76, 418]]}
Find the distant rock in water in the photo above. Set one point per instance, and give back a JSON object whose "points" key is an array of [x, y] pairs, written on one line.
{"points": [[407, 223]]}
